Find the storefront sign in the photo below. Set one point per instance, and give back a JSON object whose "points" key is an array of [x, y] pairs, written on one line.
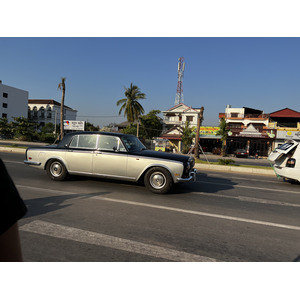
{"points": [[288, 134], [208, 130]]}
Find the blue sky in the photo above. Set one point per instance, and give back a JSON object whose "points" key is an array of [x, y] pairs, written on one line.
{"points": [[262, 73]]}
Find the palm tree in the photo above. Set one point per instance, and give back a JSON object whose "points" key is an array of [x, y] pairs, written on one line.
{"points": [[223, 132], [131, 106], [62, 87]]}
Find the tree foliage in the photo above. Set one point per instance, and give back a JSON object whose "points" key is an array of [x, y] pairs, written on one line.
{"points": [[91, 127], [151, 125], [188, 134], [47, 133], [130, 104], [24, 129], [131, 129], [223, 132], [6, 129]]}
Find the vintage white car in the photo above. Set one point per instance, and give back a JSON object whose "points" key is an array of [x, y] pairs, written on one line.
{"points": [[286, 160], [112, 155]]}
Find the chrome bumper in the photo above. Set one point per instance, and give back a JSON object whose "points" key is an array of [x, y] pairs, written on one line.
{"points": [[193, 174], [33, 163]]}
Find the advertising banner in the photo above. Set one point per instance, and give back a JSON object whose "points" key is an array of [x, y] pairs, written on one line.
{"points": [[208, 130], [74, 125], [288, 134]]}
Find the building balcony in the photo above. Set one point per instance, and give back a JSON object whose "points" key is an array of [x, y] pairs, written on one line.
{"points": [[172, 122], [261, 117]]}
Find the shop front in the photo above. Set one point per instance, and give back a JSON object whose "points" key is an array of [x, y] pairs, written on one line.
{"points": [[252, 140]]}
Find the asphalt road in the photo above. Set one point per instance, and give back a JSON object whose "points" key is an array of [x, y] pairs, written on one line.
{"points": [[221, 217]]}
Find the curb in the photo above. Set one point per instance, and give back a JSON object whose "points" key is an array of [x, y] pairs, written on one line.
{"points": [[10, 149], [233, 169]]}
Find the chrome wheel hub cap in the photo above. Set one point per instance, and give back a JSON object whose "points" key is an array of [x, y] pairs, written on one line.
{"points": [[157, 180], [56, 169]]}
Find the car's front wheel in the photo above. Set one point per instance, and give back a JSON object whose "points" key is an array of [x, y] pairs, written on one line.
{"points": [[158, 180], [56, 170]]}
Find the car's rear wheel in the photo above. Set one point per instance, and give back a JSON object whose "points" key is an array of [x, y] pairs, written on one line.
{"points": [[158, 180], [56, 170]]}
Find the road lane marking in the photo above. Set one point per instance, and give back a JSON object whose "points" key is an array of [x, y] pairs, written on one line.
{"points": [[98, 239], [233, 185], [248, 199], [199, 213], [242, 179]]}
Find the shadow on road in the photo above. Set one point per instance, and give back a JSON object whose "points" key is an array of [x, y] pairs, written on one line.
{"points": [[40, 206], [297, 259], [205, 184]]}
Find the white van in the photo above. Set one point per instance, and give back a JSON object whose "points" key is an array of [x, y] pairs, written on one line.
{"points": [[286, 160]]}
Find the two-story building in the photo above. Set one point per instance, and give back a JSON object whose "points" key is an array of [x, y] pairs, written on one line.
{"points": [[248, 129], [286, 122], [13, 102], [45, 111], [174, 119], [178, 115]]}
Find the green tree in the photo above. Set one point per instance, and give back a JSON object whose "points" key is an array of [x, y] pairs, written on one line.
{"points": [[188, 134], [131, 129], [131, 106], [47, 133], [151, 125], [62, 87], [6, 128], [91, 127], [24, 129], [223, 132]]}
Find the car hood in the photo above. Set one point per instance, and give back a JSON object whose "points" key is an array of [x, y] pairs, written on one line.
{"points": [[160, 154]]}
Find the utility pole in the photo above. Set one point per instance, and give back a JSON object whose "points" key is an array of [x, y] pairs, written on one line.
{"points": [[199, 122], [62, 87]]}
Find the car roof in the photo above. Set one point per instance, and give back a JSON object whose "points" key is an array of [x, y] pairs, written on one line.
{"points": [[67, 138], [98, 132]]}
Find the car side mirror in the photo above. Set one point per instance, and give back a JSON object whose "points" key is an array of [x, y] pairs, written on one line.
{"points": [[115, 148], [66, 146]]}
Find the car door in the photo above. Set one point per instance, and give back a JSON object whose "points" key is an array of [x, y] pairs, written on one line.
{"points": [[79, 156], [281, 150], [110, 159]]}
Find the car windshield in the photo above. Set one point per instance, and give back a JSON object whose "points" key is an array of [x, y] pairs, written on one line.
{"points": [[132, 143], [285, 146]]}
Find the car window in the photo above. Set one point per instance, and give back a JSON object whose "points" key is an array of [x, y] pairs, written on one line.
{"points": [[133, 143], [110, 143], [84, 141]]}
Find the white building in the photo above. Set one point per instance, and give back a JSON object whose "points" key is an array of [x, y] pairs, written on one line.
{"points": [[13, 102], [48, 111], [179, 114], [245, 116]]}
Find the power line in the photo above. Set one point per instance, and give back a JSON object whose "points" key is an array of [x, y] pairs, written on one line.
{"points": [[100, 116]]}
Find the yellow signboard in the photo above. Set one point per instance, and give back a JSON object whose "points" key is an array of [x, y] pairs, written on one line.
{"points": [[208, 130]]}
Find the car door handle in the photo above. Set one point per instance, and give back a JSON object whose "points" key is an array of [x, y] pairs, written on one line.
{"points": [[98, 152]]}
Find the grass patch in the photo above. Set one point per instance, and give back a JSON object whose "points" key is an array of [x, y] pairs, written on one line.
{"points": [[199, 161], [14, 146]]}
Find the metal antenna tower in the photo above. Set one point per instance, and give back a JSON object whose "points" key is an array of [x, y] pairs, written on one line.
{"points": [[179, 93]]}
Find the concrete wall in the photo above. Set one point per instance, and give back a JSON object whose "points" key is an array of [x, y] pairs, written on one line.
{"points": [[15, 104]]}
